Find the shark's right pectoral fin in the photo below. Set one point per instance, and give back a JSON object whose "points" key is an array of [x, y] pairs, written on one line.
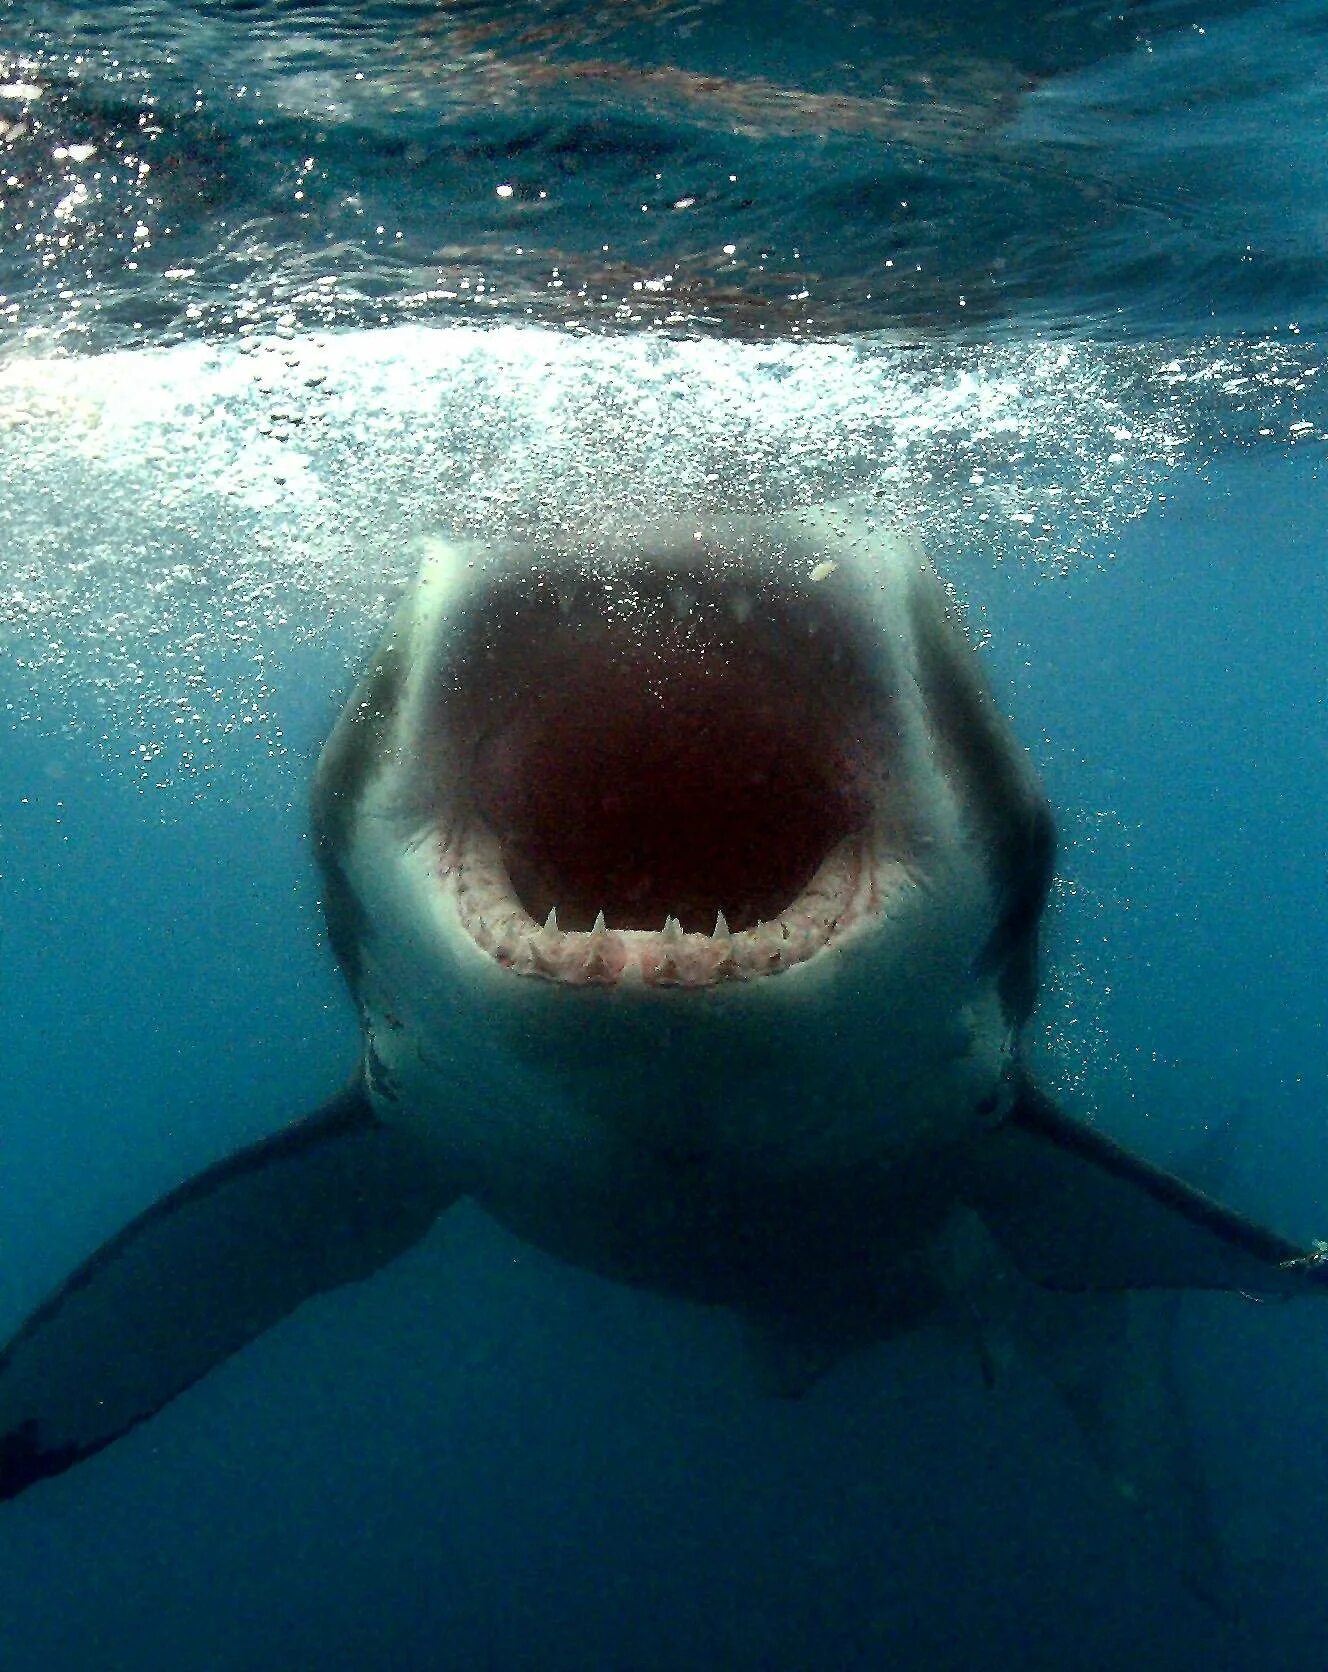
{"points": [[202, 1272]]}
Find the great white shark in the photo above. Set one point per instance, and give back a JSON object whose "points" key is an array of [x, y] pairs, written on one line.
{"points": [[688, 889]]}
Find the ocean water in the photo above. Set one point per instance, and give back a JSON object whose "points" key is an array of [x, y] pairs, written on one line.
{"points": [[288, 287]]}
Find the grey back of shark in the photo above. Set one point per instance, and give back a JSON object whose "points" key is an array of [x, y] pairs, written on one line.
{"points": [[689, 894]]}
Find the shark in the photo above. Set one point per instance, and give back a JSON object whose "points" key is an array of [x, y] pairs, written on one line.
{"points": [[688, 886]]}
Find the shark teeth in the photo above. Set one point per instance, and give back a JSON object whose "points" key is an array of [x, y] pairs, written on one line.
{"points": [[843, 890], [584, 602]]}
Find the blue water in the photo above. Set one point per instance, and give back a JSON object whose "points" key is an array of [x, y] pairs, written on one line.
{"points": [[210, 487]]}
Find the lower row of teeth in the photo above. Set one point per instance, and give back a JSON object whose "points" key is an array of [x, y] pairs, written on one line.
{"points": [[670, 956], [672, 930], [472, 862]]}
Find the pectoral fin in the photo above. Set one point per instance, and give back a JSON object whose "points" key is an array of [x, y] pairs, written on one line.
{"points": [[1073, 1211], [1076, 1211], [205, 1270]]}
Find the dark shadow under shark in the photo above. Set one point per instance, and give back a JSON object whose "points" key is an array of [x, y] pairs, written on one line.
{"points": [[689, 893]]}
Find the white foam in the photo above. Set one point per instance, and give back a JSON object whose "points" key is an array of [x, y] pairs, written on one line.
{"points": [[173, 514]]}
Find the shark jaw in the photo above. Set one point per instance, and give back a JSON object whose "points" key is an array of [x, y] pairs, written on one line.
{"points": [[733, 798], [665, 775]]}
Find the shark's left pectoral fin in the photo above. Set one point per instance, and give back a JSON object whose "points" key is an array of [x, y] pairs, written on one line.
{"points": [[202, 1272], [1087, 1225], [1075, 1211]]}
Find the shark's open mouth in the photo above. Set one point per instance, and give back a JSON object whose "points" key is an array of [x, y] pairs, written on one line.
{"points": [[664, 774]]}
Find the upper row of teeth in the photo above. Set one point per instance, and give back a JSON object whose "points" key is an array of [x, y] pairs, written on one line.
{"points": [[683, 600]]}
